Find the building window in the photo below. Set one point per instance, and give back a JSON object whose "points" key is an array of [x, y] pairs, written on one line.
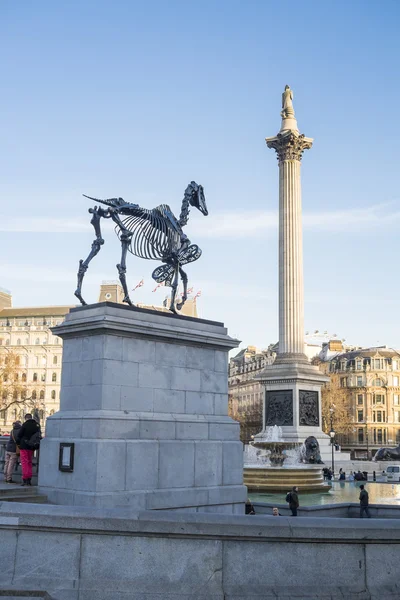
{"points": [[41, 397], [43, 377], [18, 342], [34, 395], [16, 376], [7, 342], [359, 380], [360, 416], [395, 365], [396, 399], [379, 438], [343, 382], [379, 416], [5, 377], [379, 398], [34, 378], [54, 377], [23, 377], [360, 436], [17, 360], [397, 416], [54, 360], [360, 399], [37, 341], [377, 363], [53, 394], [395, 381], [377, 382]]}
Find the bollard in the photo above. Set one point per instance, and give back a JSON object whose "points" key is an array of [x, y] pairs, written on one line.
{"points": [[374, 476]]}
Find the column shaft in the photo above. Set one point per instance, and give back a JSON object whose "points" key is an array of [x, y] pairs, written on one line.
{"points": [[291, 289]]}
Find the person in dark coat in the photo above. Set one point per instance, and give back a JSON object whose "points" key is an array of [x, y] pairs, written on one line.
{"points": [[294, 501], [364, 502], [249, 508], [11, 453], [28, 429]]}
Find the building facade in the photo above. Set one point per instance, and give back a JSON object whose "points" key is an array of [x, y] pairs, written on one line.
{"points": [[26, 338], [370, 379], [246, 394]]}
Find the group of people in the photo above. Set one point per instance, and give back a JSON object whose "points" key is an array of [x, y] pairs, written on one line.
{"points": [[292, 498], [23, 441]]}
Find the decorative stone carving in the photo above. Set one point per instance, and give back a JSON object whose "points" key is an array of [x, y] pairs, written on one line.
{"points": [[308, 408], [289, 146], [279, 407], [287, 104]]}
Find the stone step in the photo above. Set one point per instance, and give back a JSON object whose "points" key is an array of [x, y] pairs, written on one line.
{"points": [[17, 493], [27, 594], [32, 499], [8, 489]]}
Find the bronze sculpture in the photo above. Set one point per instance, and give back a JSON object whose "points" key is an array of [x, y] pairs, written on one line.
{"points": [[387, 454], [154, 234]]}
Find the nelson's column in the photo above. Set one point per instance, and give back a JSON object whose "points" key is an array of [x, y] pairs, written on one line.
{"points": [[292, 384]]}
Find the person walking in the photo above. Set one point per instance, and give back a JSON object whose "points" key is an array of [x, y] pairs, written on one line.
{"points": [[364, 502], [294, 501], [28, 435], [11, 453]]}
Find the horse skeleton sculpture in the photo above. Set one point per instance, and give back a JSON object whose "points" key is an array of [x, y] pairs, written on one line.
{"points": [[152, 234]]}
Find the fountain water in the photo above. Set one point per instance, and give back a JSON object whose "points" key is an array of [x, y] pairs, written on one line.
{"points": [[274, 465], [274, 446]]}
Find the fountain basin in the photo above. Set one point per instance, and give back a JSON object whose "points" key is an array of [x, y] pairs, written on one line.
{"points": [[265, 479]]}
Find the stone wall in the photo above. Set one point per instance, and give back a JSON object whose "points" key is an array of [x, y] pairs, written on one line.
{"points": [[85, 554]]}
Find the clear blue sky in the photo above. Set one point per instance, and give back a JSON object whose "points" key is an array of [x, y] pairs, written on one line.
{"points": [[135, 99]]}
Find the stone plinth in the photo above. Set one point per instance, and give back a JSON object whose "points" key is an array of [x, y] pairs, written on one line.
{"points": [[144, 399]]}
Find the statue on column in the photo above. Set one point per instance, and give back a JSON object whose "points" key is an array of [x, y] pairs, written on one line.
{"points": [[287, 104]]}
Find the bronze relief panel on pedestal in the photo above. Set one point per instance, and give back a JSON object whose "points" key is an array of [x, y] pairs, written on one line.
{"points": [[278, 407], [308, 408]]}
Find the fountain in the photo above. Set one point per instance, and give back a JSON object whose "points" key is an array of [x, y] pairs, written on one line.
{"points": [[278, 465], [274, 446]]}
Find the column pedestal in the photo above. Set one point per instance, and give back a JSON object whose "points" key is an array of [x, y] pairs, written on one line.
{"points": [[144, 402], [293, 402]]}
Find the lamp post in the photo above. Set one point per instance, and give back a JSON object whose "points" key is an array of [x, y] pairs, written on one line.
{"points": [[332, 434]]}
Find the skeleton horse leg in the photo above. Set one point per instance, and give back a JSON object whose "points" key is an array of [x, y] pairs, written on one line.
{"points": [[96, 245]]}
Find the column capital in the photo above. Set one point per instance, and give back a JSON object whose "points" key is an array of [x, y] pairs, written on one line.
{"points": [[289, 146]]}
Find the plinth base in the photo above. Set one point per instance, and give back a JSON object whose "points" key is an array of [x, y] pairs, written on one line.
{"points": [[144, 408]]}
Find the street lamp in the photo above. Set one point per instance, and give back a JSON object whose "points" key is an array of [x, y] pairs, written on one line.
{"points": [[332, 434]]}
